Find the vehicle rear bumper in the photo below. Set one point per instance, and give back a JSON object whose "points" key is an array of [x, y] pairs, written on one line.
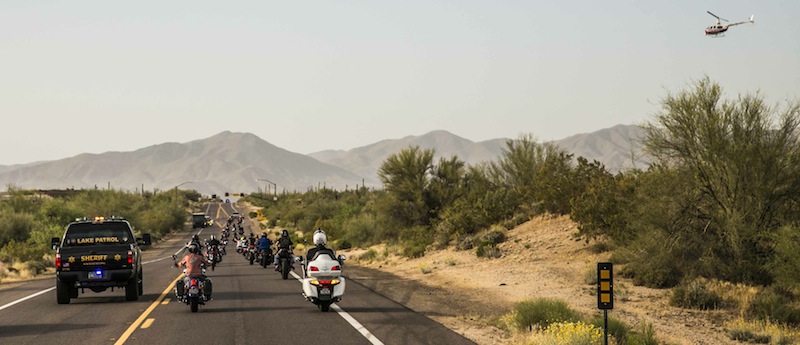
{"points": [[118, 277]]}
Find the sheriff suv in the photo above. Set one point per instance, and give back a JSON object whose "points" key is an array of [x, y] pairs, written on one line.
{"points": [[98, 254]]}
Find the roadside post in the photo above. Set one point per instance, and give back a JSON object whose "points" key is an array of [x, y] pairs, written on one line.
{"points": [[605, 293]]}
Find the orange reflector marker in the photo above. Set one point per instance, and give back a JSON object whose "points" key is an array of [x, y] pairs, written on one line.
{"points": [[605, 286]]}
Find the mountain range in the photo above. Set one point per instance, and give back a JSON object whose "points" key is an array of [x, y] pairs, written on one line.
{"points": [[242, 162]]}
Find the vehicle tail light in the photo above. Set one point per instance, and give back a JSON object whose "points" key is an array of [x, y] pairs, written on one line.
{"points": [[336, 268], [313, 268], [58, 260], [194, 282], [325, 282], [130, 257]]}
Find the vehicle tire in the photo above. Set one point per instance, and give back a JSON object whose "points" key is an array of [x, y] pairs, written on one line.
{"points": [[63, 292], [325, 306], [285, 269], [132, 290], [141, 284], [252, 259], [193, 304], [213, 265]]}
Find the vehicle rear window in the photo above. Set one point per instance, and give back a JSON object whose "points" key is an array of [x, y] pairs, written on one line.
{"points": [[88, 234]]}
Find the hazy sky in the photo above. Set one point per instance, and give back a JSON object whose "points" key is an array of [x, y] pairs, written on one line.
{"points": [[97, 76]]}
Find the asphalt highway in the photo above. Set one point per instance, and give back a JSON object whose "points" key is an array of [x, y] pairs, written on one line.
{"points": [[251, 305]]}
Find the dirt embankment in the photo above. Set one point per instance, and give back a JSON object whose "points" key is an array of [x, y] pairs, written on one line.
{"points": [[541, 258]]}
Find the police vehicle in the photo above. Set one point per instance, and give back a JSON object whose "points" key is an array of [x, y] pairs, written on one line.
{"points": [[98, 254]]}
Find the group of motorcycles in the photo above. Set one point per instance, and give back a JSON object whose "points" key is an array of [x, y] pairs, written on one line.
{"points": [[321, 280]]}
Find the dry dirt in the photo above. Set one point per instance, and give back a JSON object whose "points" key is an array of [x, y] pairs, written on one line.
{"points": [[541, 258]]}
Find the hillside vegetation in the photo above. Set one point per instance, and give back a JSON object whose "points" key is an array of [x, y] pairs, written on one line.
{"points": [[718, 205], [29, 219]]}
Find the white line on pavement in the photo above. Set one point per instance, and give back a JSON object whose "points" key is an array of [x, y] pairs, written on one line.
{"points": [[351, 320]]}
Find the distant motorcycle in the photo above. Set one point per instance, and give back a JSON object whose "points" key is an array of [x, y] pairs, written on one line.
{"points": [[284, 262], [214, 256], [264, 257]]}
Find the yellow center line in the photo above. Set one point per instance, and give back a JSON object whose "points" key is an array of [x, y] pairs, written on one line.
{"points": [[166, 300], [147, 323], [122, 339]]}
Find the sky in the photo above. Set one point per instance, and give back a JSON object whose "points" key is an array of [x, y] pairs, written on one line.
{"points": [[96, 76]]}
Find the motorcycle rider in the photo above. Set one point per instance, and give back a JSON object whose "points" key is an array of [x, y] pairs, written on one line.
{"points": [[265, 244], [213, 243], [194, 241], [194, 269], [320, 240], [283, 243]]}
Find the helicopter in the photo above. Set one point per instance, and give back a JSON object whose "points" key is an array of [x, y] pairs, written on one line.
{"points": [[717, 29]]}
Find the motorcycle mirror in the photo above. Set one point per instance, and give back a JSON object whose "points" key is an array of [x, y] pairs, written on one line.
{"points": [[298, 258], [342, 257], [54, 242]]}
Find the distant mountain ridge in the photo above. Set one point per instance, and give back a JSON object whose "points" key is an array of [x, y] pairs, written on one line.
{"points": [[234, 162], [618, 148], [226, 162]]}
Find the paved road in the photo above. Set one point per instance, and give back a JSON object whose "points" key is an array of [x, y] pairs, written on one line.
{"points": [[252, 305]]}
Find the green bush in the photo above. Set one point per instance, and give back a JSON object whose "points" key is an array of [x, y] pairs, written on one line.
{"points": [[466, 242], [496, 235], [616, 328], [488, 251], [695, 295], [645, 336], [541, 313], [369, 255], [774, 305]]}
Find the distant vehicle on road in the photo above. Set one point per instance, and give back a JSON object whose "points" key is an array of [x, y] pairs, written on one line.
{"points": [[198, 220]]}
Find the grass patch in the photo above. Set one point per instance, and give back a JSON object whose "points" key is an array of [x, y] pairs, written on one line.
{"points": [[760, 332], [450, 262], [541, 313], [425, 269], [695, 295], [369, 255]]}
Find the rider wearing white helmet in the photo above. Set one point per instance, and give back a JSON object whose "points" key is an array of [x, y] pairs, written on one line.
{"points": [[320, 240]]}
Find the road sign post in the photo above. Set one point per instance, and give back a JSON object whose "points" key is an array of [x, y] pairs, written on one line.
{"points": [[605, 293]]}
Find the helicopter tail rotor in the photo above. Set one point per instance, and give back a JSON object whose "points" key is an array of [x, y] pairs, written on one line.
{"points": [[751, 19]]}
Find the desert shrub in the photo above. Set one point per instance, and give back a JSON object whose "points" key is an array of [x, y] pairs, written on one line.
{"points": [[360, 230], [425, 269], [413, 249], [774, 305], [787, 257], [369, 255], [616, 328], [252, 215], [342, 244], [541, 313], [760, 332], [645, 336], [694, 294], [495, 235], [22, 251], [488, 251], [649, 264], [466, 242], [15, 226]]}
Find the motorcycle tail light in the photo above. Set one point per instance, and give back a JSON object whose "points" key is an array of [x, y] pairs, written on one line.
{"points": [[194, 282], [325, 282], [313, 268], [336, 268]]}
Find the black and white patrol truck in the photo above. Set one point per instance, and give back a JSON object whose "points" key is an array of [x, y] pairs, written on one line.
{"points": [[97, 254]]}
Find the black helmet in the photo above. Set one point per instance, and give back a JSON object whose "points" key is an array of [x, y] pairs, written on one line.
{"points": [[193, 249], [213, 237], [284, 233], [251, 235], [195, 237], [263, 234]]}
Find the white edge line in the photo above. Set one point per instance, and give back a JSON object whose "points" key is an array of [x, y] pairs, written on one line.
{"points": [[351, 320], [28, 297]]}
